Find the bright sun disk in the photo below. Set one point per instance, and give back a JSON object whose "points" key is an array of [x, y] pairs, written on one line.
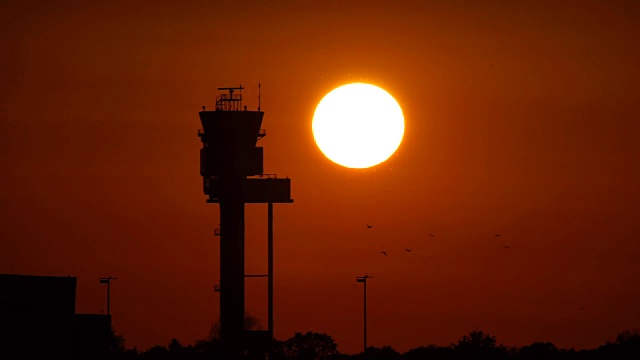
{"points": [[358, 125]]}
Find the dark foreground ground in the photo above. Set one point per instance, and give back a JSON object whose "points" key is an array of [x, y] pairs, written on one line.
{"points": [[316, 346]]}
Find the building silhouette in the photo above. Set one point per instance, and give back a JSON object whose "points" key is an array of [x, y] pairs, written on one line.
{"points": [[38, 320]]}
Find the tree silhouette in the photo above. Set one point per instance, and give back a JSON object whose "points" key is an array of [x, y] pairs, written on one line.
{"points": [[207, 346], [383, 353], [320, 346], [478, 343], [309, 346], [628, 339], [250, 323], [431, 352], [626, 345], [116, 345], [174, 346], [539, 350], [157, 352]]}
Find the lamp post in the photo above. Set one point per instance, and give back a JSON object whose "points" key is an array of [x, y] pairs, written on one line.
{"points": [[107, 281], [363, 279]]}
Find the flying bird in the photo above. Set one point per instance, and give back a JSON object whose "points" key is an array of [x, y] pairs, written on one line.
{"points": [[383, 253], [507, 246], [407, 250], [497, 234], [369, 226], [431, 235]]}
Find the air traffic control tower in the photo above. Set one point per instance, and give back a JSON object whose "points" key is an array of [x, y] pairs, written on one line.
{"points": [[231, 166]]}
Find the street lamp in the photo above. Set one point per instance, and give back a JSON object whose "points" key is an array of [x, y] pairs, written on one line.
{"points": [[107, 281], [363, 279]]}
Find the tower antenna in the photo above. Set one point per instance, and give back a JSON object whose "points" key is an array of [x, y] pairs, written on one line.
{"points": [[258, 96]]}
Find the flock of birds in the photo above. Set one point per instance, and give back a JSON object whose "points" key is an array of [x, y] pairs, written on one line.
{"points": [[384, 252]]}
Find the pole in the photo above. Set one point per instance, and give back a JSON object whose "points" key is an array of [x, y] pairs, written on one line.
{"points": [[109, 297], [365, 314], [363, 279], [270, 267], [107, 281]]}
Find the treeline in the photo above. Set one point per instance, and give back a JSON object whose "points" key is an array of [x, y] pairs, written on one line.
{"points": [[319, 346]]}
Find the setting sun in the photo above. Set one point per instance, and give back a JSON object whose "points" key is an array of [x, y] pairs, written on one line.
{"points": [[358, 125]]}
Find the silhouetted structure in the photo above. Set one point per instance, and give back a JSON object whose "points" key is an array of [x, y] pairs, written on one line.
{"points": [[107, 281], [363, 279], [92, 336], [36, 316], [38, 320], [229, 156]]}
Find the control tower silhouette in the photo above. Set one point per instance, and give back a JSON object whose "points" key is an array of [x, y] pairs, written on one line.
{"points": [[231, 166]]}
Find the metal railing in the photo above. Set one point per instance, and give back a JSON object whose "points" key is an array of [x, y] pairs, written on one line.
{"points": [[229, 102]]}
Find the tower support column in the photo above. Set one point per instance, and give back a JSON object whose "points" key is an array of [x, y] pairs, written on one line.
{"points": [[270, 268], [232, 270]]}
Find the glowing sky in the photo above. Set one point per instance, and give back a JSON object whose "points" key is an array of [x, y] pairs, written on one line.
{"points": [[521, 119]]}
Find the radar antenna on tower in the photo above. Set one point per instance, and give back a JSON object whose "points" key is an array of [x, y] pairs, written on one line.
{"points": [[231, 101]]}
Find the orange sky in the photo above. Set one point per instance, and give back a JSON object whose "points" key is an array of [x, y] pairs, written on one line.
{"points": [[521, 119]]}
